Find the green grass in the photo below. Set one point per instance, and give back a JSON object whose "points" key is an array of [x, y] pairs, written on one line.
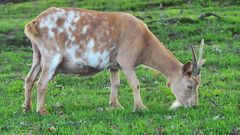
{"points": [[79, 105]]}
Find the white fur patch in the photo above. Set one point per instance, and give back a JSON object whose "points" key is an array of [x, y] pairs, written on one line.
{"points": [[105, 59], [60, 30], [50, 22], [70, 15], [89, 57], [72, 54], [90, 44], [54, 64], [85, 28], [72, 39], [66, 27], [56, 45], [96, 59], [71, 19]]}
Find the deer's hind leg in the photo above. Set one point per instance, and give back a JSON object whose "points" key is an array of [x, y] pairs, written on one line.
{"points": [[49, 67], [31, 78], [115, 82]]}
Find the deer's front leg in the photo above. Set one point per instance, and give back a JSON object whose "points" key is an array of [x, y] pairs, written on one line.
{"points": [[115, 82], [132, 78]]}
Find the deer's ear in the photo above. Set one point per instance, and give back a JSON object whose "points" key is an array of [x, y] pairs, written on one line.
{"points": [[186, 68]]}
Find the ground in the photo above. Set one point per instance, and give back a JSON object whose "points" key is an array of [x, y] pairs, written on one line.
{"points": [[79, 105]]}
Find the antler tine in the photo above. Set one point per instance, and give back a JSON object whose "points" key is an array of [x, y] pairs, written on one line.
{"points": [[194, 60], [201, 60]]}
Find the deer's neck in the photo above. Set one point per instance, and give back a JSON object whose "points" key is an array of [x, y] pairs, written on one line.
{"points": [[158, 57]]}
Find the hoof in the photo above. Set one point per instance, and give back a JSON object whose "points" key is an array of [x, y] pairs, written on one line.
{"points": [[26, 109], [116, 105], [43, 112], [140, 108]]}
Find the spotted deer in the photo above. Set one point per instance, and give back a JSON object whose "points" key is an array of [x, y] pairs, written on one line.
{"points": [[84, 42]]}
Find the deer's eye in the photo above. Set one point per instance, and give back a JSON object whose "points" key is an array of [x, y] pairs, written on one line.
{"points": [[190, 87]]}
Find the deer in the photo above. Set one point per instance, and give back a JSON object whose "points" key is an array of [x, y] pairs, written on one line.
{"points": [[84, 42]]}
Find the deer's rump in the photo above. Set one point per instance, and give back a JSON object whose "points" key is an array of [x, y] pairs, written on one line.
{"points": [[80, 37]]}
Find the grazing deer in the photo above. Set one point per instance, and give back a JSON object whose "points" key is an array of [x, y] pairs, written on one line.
{"points": [[84, 42]]}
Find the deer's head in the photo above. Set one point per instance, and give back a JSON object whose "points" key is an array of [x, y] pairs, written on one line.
{"points": [[185, 85]]}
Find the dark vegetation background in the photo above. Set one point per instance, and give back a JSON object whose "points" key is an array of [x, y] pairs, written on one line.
{"points": [[79, 105]]}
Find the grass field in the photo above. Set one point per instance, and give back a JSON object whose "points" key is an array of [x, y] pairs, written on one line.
{"points": [[79, 105]]}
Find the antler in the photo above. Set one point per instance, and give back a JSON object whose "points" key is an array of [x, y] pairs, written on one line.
{"points": [[194, 62], [197, 64], [201, 60]]}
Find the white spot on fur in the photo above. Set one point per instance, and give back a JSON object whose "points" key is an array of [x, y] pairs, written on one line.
{"points": [[73, 27], [56, 45], [89, 57], [60, 30], [70, 15], [72, 39], [71, 18], [93, 58], [105, 59], [50, 21], [85, 28], [72, 54], [72, 51], [54, 64], [50, 24], [90, 44], [77, 17], [66, 26]]}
